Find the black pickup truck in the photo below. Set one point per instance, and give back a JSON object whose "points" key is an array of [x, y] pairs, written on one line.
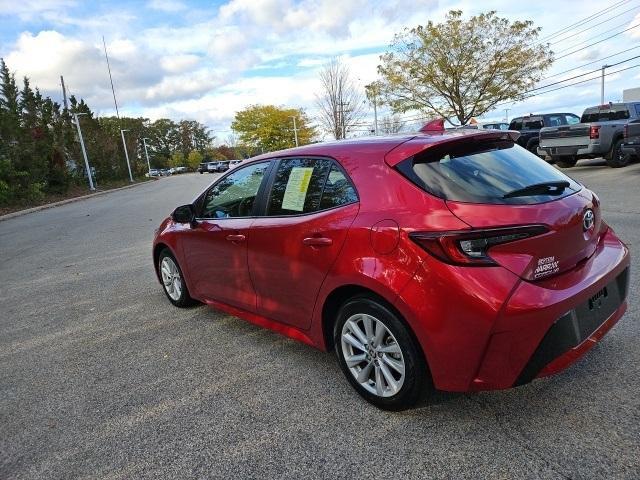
{"points": [[529, 127]]}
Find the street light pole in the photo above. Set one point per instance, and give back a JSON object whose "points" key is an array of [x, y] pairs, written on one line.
{"points": [[374, 95], [295, 129], [602, 85], [84, 151], [144, 142], [126, 154]]}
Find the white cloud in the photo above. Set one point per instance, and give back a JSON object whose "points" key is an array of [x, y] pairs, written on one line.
{"points": [[170, 6], [635, 33]]}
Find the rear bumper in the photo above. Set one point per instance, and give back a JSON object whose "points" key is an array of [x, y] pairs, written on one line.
{"points": [[483, 328], [546, 326]]}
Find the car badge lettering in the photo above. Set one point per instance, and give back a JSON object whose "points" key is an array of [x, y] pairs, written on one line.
{"points": [[546, 266]]}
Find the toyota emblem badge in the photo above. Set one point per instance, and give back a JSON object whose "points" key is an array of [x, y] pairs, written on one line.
{"points": [[588, 220]]}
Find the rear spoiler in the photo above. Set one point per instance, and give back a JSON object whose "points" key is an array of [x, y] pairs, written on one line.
{"points": [[431, 137]]}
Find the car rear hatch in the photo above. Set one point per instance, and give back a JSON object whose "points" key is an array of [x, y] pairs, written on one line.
{"points": [[523, 214]]}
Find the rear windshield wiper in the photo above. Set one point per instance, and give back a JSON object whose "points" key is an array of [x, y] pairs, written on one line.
{"points": [[544, 188]]}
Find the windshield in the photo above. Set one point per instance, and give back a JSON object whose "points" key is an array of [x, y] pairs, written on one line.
{"points": [[484, 171]]}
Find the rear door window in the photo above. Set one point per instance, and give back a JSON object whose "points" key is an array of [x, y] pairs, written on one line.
{"points": [[482, 171], [554, 120], [307, 185], [532, 123], [516, 124]]}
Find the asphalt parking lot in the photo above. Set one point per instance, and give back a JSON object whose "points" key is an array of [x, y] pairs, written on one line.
{"points": [[100, 377]]}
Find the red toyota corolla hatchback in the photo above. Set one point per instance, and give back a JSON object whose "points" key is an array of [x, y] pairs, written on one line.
{"points": [[448, 259]]}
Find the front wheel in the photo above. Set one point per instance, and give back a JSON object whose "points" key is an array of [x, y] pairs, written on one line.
{"points": [[616, 158], [566, 162], [378, 355], [173, 281]]}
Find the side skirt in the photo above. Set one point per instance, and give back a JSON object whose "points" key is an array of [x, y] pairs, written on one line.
{"points": [[281, 328]]}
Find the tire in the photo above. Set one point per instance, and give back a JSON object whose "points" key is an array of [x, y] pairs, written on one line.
{"points": [[615, 158], [402, 360], [177, 293], [566, 162], [532, 146]]}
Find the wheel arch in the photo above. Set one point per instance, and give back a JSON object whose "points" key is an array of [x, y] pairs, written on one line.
{"points": [[157, 250], [338, 296]]}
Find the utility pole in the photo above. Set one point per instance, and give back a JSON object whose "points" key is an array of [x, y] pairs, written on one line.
{"points": [[342, 119], [64, 93], [602, 85], [295, 129], [126, 154], [375, 113], [144, 142], [84, 151], [506, 114], [115, 102]]}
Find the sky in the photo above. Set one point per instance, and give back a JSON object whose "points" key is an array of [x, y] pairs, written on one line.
{"points": [[205, 60]]}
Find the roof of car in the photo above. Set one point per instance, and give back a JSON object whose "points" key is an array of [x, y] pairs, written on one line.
{"points": [[411, 143]]}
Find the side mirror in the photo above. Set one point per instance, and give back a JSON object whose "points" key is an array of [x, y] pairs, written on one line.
{"points": [[184, 214]]}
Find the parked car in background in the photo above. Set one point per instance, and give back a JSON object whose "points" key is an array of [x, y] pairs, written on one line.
{"points": [[154, 172], [600, 133], [165, 172], [202, 168], [631, 135], [212, 167], [495, 126], [233, 163], [180, 169], [459, 261], [530, 126]]}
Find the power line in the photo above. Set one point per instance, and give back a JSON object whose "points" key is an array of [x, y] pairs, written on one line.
{"points": [[591, 63], [582, 74], [594, 26], [596, 43], [583, 21], [594, 37]]}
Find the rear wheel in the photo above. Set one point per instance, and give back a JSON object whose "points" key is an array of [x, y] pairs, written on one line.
{"points": [[173, 281], [378, 355], [566, 162], [616, 158]]}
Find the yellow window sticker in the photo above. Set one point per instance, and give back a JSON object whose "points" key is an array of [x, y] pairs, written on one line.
{"points": [[297, 186]]}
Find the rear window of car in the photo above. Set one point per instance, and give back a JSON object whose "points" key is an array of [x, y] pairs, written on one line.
{"points": [[482, 171], [605, 114]]}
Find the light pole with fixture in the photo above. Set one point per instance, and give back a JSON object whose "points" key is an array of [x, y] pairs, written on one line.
{"points": [[126, 154], [84, 151], [144, 142]]}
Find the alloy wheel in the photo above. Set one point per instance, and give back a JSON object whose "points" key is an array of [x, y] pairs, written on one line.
{"points": [[373, 355], [171, 278]]}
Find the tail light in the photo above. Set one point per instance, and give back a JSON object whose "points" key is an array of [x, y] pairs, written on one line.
{"points": [[471, 247], [625, 131], [594, 132]]}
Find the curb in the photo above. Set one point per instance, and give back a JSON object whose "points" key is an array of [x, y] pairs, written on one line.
{"points": [[46, 206]]}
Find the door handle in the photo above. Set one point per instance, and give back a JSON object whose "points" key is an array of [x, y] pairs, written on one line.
{"points": [[236, 238], [317, 241]]}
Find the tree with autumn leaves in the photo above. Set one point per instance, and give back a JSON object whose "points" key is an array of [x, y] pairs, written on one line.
{"points": [[267, 128]]}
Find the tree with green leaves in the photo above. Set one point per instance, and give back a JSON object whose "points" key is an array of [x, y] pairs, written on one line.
{"points": [[269, 128], [459, 69]]}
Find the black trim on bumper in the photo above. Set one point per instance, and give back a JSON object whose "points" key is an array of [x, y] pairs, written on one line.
{"points": [[575, 326]]}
